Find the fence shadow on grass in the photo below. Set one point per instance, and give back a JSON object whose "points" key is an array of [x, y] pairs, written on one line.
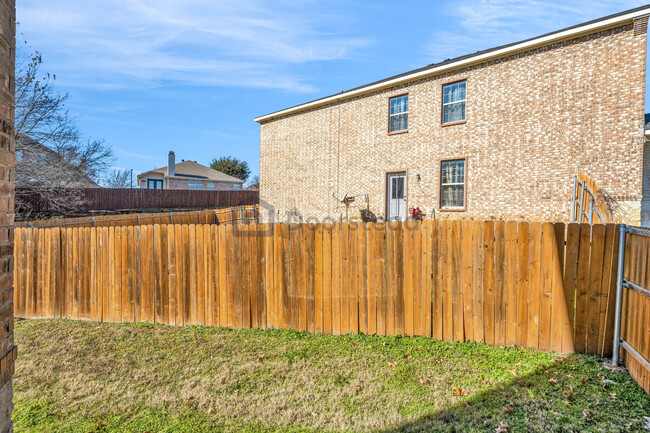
{"points": [[558, 398]]}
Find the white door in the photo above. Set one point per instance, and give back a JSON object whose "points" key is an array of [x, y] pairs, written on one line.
{"points": [[396, 197]]}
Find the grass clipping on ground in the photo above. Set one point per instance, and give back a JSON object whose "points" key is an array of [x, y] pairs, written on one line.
{"points": [[99, 377]]}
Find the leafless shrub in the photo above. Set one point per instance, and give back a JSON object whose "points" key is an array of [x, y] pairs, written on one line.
{"points": [[51, 155]]}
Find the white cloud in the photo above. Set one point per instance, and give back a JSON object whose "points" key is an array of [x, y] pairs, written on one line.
{"points": [[122, 43], [485, 24], [137, 155]]}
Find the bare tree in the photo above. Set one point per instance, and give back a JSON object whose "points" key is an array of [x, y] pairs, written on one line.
{"points": [[52, 157], [254, 183], [119, 179]]}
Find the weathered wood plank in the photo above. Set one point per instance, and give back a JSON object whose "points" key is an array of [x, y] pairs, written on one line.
{"points": [[534, 272]]}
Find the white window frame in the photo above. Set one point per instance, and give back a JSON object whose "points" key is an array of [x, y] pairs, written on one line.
{"points": [[195, 183], [464, 184], [211, 186], [391, 115], [446, 104], [237, 187]]}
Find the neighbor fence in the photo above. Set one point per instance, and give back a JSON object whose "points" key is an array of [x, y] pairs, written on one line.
{"points": [[538, 285], [239, 214], [135, 198]]}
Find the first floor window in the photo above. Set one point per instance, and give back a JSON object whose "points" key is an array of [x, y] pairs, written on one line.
{"points": [[154, 184], [211, 185], [452, 184], [399, 114], [236, 186], [454, 97], [192, 184]]}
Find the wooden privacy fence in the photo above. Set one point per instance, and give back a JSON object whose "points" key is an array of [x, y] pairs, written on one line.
{"points": [[134, 198], [544, 286], [241, 214]]}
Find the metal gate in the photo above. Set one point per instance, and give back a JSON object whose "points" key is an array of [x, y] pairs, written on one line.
{"points": [[633, 280]]}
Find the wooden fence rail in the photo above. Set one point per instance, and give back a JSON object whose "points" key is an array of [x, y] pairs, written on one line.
{"points": [[242, 214], [538, 285]]}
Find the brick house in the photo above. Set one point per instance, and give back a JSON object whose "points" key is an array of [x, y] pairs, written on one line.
{"points": [[187, 175], [495, 134]]}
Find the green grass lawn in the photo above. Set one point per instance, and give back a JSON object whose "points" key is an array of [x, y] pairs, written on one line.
{"points": [[97, 377]]}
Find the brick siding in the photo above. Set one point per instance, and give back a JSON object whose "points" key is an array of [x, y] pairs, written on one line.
{"points": [[534, 120], [7, 158]]}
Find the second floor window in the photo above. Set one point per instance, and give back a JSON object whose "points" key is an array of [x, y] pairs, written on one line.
{"points": [[192, 184], [454, 97], [399, 114]]}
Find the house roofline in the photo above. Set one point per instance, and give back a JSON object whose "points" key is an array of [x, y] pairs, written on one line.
{"points": [[610, 21], [190, 177]]}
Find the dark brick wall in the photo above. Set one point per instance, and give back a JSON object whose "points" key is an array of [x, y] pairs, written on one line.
{"points": [[7, 158]]}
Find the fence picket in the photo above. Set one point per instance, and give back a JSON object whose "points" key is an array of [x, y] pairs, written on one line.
{"points": [[466, 259], [499, 289], [545, 288], [582, 292], [534, 262], [559, 313], [523, 251]]}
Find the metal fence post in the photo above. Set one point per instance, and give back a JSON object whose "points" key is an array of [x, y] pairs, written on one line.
{"points": [[582, 201], [591, 211], [619, 293], [573, 200]]}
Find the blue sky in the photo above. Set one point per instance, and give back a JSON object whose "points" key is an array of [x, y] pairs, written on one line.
{"points": [[150, 76]]}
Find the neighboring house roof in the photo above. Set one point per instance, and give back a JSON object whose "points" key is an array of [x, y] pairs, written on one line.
{"points": [[39, 164], [194, 170], [589, 27]]}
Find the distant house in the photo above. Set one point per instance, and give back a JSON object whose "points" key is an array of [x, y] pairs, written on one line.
{"points": [[38, 166], [187, 175]]}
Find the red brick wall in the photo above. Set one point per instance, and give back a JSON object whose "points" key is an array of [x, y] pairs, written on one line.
{"points": [[534, 120], [7, 347]]}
